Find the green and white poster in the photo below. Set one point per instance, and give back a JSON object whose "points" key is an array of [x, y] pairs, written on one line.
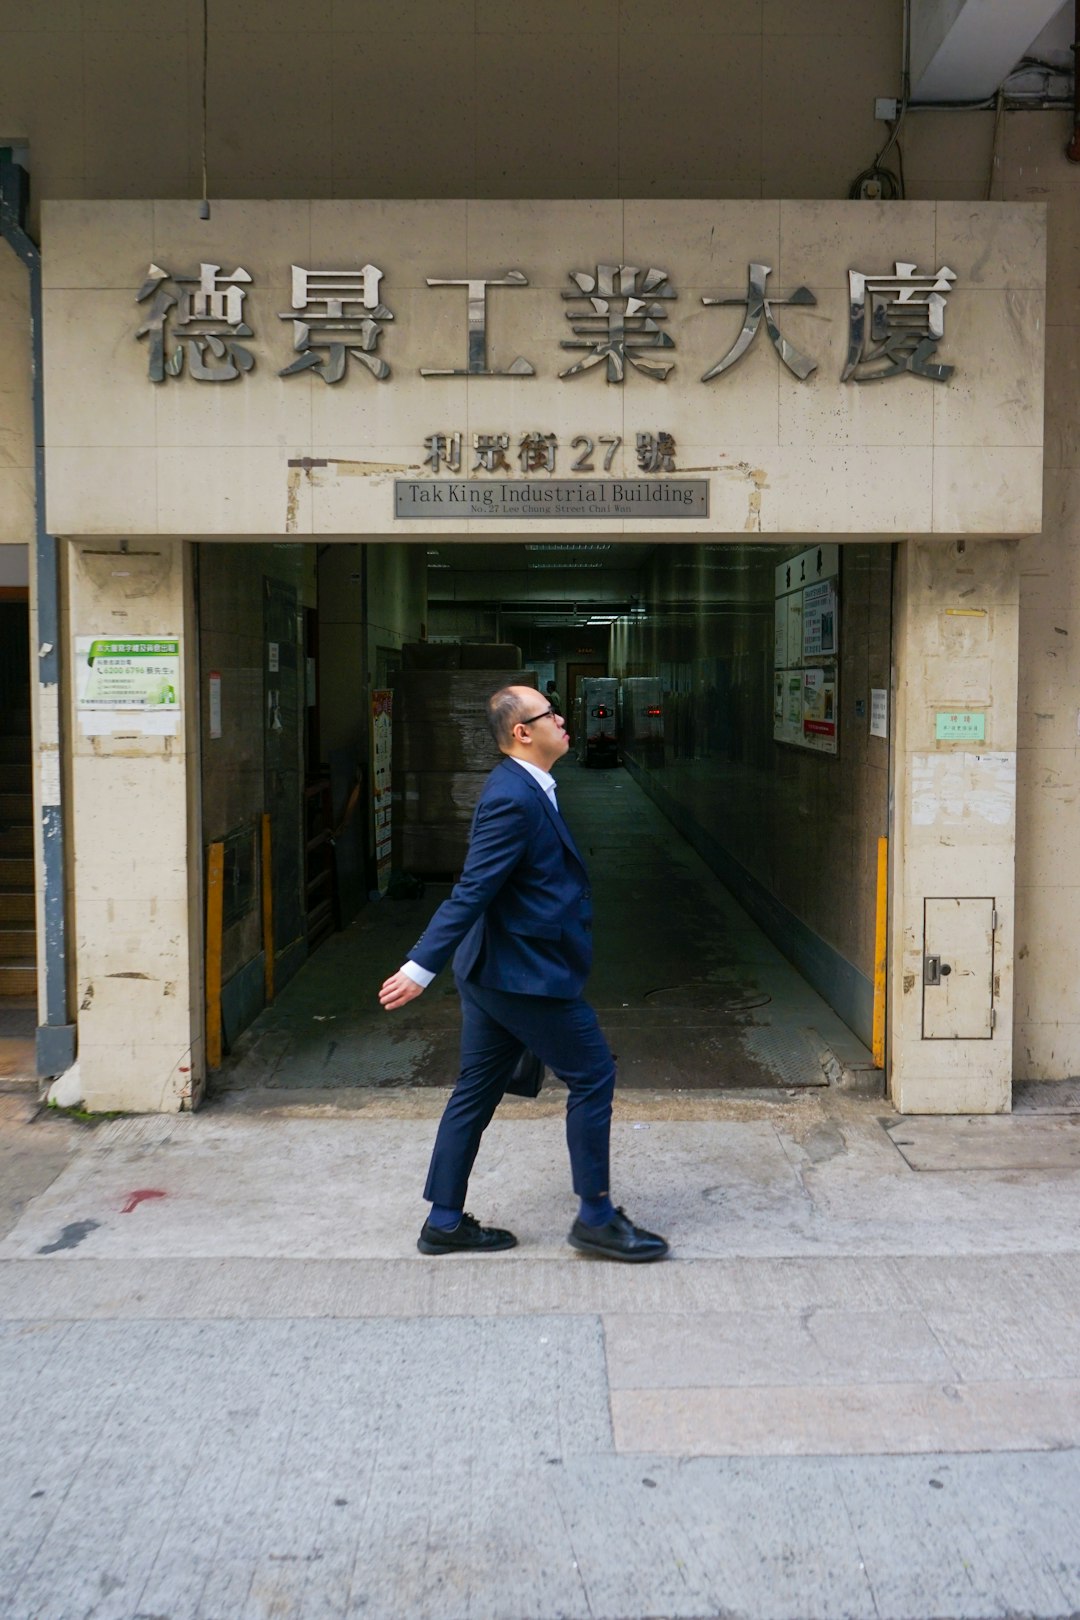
{"points": [[128, 672]]}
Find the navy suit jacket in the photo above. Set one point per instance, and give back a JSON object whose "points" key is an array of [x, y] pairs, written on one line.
{"points": [[520, 917]]}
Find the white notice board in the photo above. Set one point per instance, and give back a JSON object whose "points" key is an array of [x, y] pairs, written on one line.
{"points": [[806, 650]]}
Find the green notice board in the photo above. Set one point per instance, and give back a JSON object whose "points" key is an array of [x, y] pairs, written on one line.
{"points": [[960, 725]]}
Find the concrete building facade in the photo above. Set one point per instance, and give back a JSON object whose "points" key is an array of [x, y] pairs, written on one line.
{"points": [[240, 498]]}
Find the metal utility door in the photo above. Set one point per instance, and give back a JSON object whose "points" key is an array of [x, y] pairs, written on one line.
{"points": [[958, 968], [281, 758]]}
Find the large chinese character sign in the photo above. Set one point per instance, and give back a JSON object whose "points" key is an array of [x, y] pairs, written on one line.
{"points": [[896, 323], [623, 320], [205, 315]]}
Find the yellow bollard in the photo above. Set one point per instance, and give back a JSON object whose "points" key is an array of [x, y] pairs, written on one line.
{"points": [[880, 950]]}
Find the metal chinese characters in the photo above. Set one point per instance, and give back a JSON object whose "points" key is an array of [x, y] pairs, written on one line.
{"points": [[206, 313], [760, 307], [195, 323], [656, 452], [339, 311], [623, 321], [538, 452], [477, 303], [906, 324], [443, 449], [490, 451]]}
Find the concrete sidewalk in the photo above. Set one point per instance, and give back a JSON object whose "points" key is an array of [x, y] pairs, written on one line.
{"points": [[232, 1388]]}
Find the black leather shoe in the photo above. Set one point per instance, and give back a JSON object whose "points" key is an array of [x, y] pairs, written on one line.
{"points": [[618, 1239], [468, 1237]]}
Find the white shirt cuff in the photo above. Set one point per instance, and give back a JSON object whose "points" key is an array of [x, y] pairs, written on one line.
{"points": [[419, 975]]}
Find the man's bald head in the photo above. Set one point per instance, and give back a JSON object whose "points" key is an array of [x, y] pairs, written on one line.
{"points": [[506, 707]]}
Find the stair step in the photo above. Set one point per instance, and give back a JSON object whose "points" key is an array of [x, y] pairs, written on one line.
{"points": [[16, 941], [14, 750], [15, 720], [15, 778], [18, 978], [16, 840], [16, 805], [17, 906], [16, 872]]}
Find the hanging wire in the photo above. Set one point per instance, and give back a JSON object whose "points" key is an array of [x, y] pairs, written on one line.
{"points": [[999, 110], [890, 184], [204, 206]]}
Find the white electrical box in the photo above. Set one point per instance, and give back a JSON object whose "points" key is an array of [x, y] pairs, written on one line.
{"points": [[958, 968]]}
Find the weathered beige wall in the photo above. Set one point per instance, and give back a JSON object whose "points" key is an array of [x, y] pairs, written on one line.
{"points": [[781, 456], [444, 98], [134, 860], [16, 403], [951, 154], [1047, 1030], [954, 820], [1031, 166]]}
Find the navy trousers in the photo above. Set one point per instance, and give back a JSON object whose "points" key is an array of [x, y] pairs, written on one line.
{"points": [[496, 1026]]}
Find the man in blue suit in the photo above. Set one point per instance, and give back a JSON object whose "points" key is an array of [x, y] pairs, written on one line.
{"points": [[519, 927]]}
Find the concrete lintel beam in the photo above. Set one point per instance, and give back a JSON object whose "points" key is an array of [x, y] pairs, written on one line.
{"points": [[961, 50]]}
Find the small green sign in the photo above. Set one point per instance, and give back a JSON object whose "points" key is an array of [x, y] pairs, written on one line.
{"points": [[960, 725], [127, 672]]}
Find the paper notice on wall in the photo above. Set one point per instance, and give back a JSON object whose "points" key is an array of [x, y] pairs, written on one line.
{"points": [[780, 631], [49, 776], [127, 672], [960, 789], [819, 709], [49, 715], [154, 725], [793, 605], [819, 620], [129, 723], [788, 705], [794, 698], [215, 703], [879, 712]]}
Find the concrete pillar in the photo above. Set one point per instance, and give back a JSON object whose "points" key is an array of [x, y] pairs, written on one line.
{"points": [[135, 846], [954, 825]]}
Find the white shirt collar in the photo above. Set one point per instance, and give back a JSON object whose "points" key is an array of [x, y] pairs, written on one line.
{"points": [[545, 778]]}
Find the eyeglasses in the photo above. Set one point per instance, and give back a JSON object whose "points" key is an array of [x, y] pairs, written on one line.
{"points": [[533, 718]]}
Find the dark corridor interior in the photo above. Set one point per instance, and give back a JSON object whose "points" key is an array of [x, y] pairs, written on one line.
{"points": [[732, 844], [690, 992]]}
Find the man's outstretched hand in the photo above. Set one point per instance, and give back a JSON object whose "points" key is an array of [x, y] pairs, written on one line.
{"points": [[398, 989]]}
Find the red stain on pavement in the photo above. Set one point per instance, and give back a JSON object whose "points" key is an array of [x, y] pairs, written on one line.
{"points": [[140, 1196]]}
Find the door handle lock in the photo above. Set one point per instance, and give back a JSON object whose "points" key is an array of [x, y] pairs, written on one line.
{"points": [[934, 970]]}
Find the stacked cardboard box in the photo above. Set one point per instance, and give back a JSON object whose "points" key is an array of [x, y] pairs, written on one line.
{"points": [[443, 751]]}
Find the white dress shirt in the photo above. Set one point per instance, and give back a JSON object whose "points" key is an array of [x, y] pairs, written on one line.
{"points": [[423, 976]]}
